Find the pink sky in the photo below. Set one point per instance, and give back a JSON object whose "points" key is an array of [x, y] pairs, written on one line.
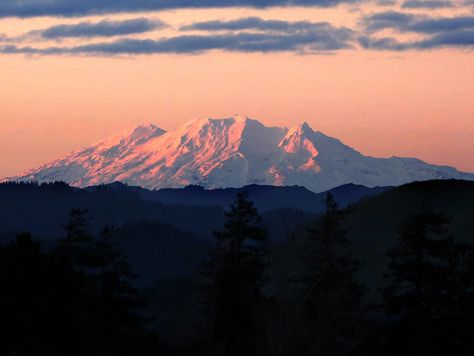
{"points": [[417, 103]]}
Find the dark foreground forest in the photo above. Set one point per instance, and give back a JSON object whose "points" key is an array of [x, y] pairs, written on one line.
{"points": [[385, 273]]}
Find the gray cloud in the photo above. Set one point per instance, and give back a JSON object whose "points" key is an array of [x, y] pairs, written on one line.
{"points": [[427, 4], [442, 24], [415, 23], [386, 2], [325, 39], [104, 28], [389, 19], [436, 32], [257, 23], [68, 8], [254, 34], [384, 43], [461, 39]]}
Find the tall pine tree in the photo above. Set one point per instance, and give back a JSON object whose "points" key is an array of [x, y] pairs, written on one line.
{"points": [[431, 289], [118, 312], [76, 248], [233, 280], [329, 302]]}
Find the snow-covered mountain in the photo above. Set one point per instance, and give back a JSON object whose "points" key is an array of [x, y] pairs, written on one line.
{"points": [[232, 152]]}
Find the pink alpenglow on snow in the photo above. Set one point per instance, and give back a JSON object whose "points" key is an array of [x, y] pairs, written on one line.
{"points": [[232, 152]]}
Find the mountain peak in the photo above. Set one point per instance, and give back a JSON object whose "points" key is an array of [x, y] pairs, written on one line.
{"points": [[137, 134], [231, 152], [228, 121], [238, 117], [146, 126], [305, 126], [299, 137], [302, 128], [146, 130]]}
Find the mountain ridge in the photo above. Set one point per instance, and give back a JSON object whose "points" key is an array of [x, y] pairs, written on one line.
{"points": [[264, 197], [232, 152]]}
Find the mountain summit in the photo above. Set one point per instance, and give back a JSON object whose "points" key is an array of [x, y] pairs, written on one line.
{"points": [[232, 152]]}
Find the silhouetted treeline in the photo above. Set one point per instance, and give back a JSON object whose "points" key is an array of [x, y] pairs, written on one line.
{"points": [[78, 299], [430, 294], [243, 293]]}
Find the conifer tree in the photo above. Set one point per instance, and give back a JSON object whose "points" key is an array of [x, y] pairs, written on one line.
{"points": [[234, 276], [76, 247], [118, 315], [37, 303], [329, 302], [431, 288]]}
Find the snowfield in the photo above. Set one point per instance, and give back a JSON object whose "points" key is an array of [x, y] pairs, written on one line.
{"points": [[232, 152]]}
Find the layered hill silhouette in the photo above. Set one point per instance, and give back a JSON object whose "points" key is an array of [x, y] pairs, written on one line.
{"points": [[232, 152], [166, 234], [42, 208], [179, 220]]}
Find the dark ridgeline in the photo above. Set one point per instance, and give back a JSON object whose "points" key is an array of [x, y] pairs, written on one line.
{"points": [[41, 208], [254, 294]]}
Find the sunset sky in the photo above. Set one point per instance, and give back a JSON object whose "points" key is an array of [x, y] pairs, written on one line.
{"points": [[385, 77]]}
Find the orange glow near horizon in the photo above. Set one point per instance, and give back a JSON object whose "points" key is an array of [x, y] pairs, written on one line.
{"points": [[416, 103]]}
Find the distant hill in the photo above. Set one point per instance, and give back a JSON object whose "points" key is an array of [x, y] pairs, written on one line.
{"points": [[264, 197], [172, 227], [41, 209], [373, 224], [166, 233]]}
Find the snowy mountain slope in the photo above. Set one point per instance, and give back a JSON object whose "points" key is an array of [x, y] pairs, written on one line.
{"points": [[232, 152]]}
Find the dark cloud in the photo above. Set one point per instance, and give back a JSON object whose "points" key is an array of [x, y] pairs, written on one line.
{"points": [[427, 4], [325, 39], [402, 22], [389, 19], [14, 49], [278, 35], [460, 39], [67, 8], [436, 32], [257, 23], [384, 44], [442, 24], [104, 28], [386, 2]]}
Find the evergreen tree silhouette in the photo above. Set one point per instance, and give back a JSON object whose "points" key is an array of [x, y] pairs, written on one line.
{"points": [[79, 299], [431, 289], [234, 276], [20, 271], [76, 247], [108, 307], [119, 320], [38, 302], [329, 301]]}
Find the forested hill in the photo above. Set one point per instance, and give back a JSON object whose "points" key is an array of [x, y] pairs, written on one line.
{"points": [[374, 225], [41, 209], [376, 243]]}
